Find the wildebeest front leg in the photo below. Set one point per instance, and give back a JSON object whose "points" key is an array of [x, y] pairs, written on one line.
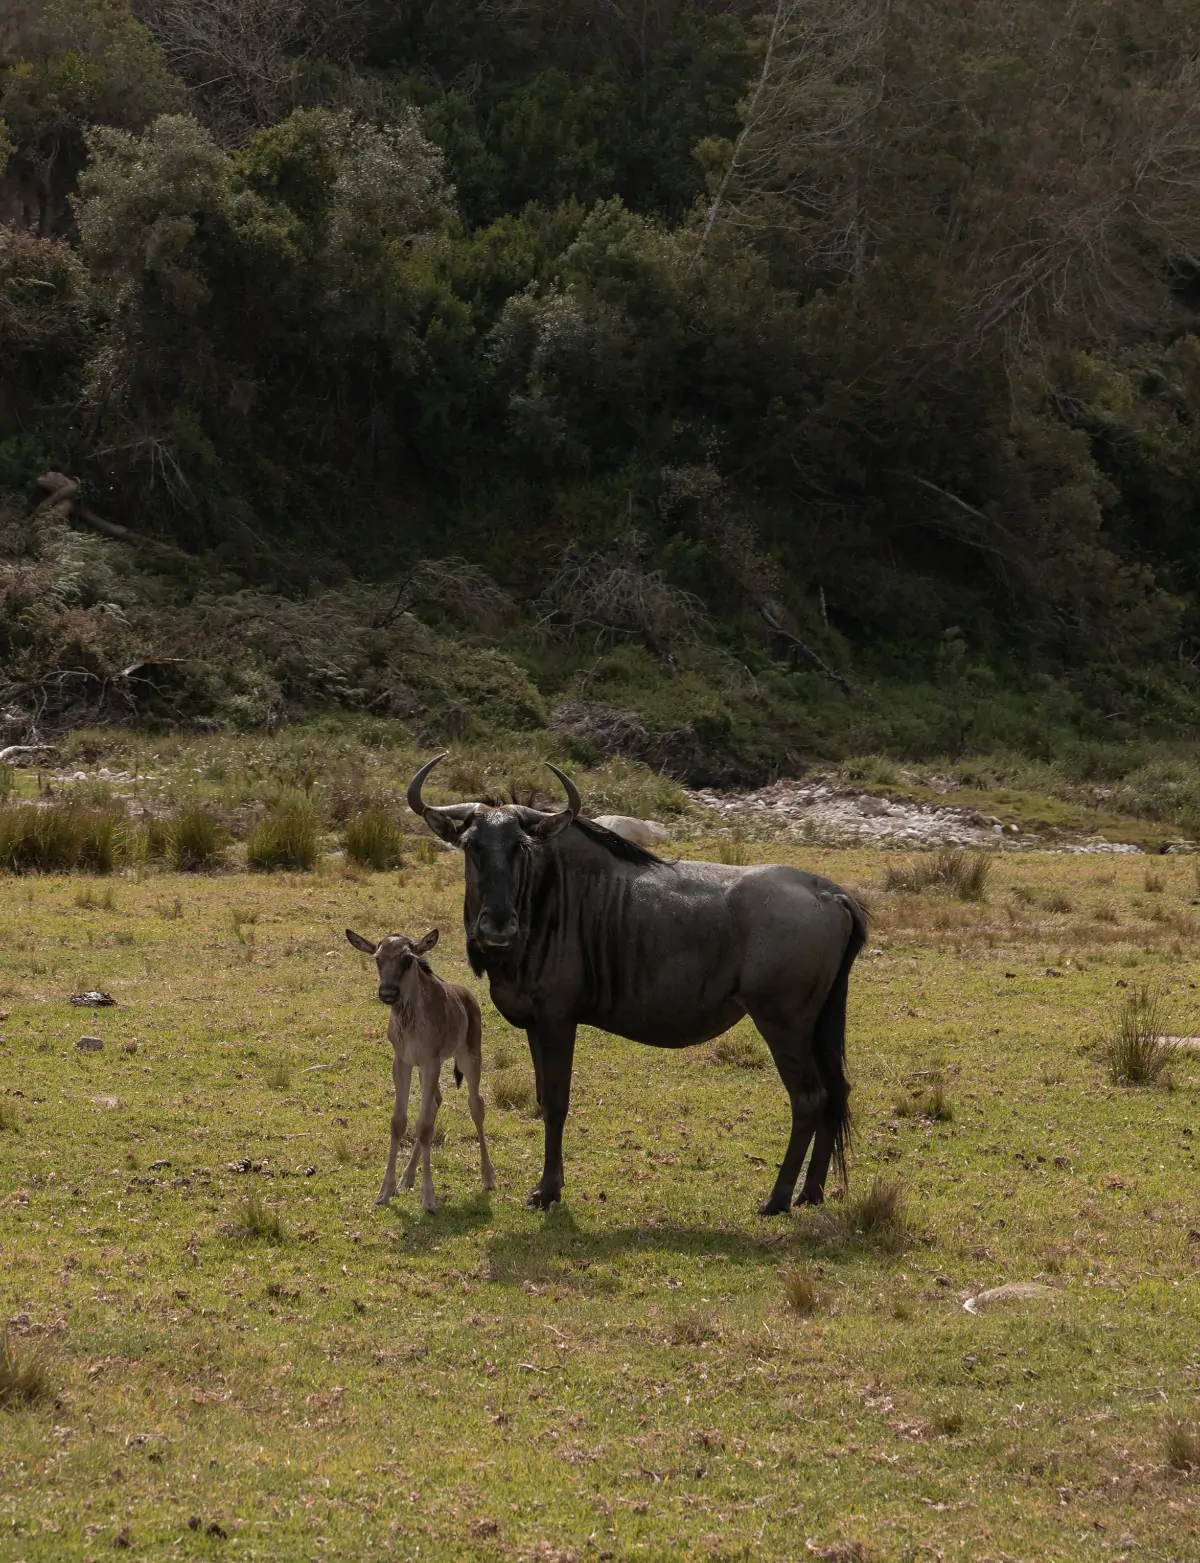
{"points": [[431, 1098], [556, 1044], [401, 1079]]}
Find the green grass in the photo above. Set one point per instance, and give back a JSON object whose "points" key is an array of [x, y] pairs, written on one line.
{"points": [[490, 1383]]}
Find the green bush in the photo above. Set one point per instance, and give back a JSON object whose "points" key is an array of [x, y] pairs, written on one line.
{"points": [[195, 839], [374, 840], [286, 839]]}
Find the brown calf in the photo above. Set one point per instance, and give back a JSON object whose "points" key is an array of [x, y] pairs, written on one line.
{"points": [[430, 1021]]}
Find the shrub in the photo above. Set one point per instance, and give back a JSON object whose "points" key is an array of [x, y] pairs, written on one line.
{"points": [[1135, 1049], [24, 1373], [195, 839], [286, 839], [964, 874], [373, 840]]}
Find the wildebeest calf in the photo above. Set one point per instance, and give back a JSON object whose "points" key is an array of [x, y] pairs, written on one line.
{"points": [[430, 1021]]}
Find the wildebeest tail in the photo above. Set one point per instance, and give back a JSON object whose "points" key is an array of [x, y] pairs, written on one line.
{"points": [[458, 1076], [829, 1038]]}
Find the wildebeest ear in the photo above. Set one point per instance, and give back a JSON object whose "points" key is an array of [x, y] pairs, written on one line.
{"points": [[359, 943], [427, 943], [451, 823], [549, 826]]}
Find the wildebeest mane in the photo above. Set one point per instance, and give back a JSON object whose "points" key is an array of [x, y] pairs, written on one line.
{"points": [[617, 845]]}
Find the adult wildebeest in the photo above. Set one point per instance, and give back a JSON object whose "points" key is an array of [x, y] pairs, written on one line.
{"points": [[575, 926], [430, 1021]]}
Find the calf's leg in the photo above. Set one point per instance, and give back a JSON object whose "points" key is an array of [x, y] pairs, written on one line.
{"points": [[471, 1063], [431, 1098], [401, 1078]]}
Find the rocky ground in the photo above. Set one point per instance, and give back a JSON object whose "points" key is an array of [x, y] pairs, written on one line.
{"points": [[821, 810]]}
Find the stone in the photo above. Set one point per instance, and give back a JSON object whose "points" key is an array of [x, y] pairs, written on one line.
{"points": [[90, 1044]]}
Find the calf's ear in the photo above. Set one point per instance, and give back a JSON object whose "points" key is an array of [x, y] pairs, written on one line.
{"points": [[427, 943], [359, 943]]}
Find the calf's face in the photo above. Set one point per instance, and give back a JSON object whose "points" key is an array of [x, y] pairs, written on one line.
{"points": [[393, 957]]}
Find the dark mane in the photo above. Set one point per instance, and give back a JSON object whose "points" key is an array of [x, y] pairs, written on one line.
{"points": [[617, 845]]}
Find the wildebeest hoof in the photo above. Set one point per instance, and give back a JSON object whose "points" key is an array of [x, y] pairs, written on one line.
{"points": [[775, 1206], [810, 1194], [384, 1196], [430, 1205], [542, 1199]]}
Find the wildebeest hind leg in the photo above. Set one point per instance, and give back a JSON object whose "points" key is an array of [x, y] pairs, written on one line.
{"points": [[813, 1192], [796, 1070]]}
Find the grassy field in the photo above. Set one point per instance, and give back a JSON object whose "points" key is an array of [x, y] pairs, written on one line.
{"points": [[243, 1357]]}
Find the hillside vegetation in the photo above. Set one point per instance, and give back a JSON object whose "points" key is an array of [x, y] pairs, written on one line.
{"points": [[715, 384]]}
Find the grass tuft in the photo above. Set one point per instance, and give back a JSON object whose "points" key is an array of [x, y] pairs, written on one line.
{"points": [[24, 1373], [880, 1216], [57, 837], [964, 874], [513, 1090], [286, 839], [256, 1222], [739, 1050], [800, 1290], [196, 839], [373, 840], [732, 849], [1181, 1446], [279, 1076], [1134, 1047], [10, 1121], [91, 899]]}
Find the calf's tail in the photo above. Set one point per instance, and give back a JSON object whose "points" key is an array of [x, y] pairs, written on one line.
{"points": [[458, 1074], [829, 1038]]}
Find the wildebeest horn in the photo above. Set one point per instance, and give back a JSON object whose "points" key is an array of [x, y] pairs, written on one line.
{"points": [[574, 801], [549, 825], [415, 802]]}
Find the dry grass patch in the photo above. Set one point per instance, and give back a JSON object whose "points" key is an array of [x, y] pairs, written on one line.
{"points": [[961, 873], [800, 1291], [739, 1050], [1181, 1446]]}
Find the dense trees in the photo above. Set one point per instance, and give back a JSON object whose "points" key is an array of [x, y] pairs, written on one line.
{"points": [[869, 325]]}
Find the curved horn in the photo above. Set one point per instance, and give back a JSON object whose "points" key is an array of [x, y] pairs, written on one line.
{"points": [[574, 801], [548, 825], [415, 802]]}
